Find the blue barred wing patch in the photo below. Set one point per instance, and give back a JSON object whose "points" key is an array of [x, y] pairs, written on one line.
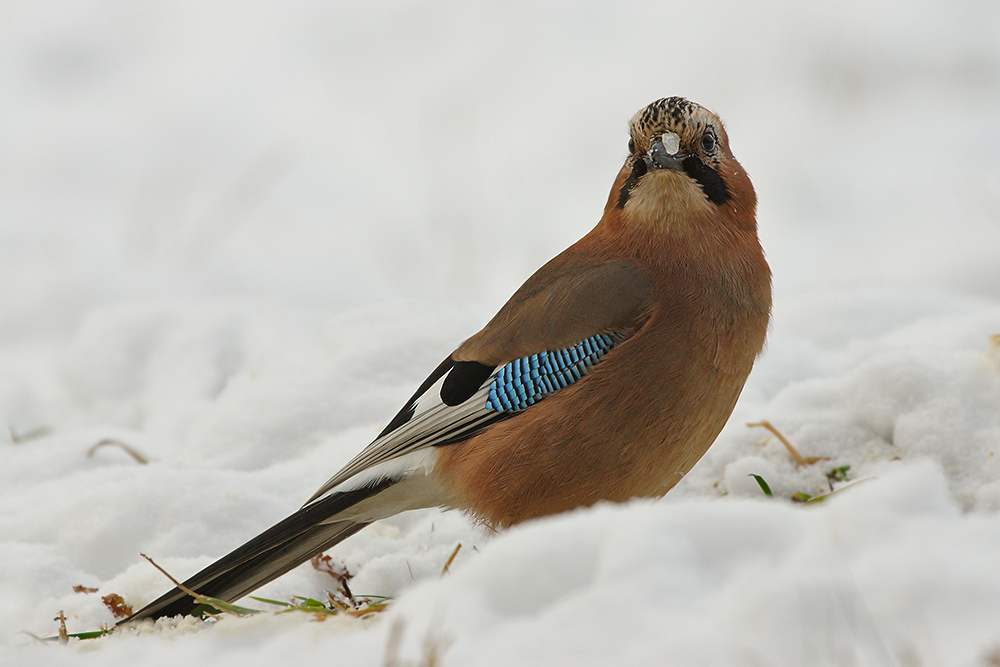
{"points": [[525, 381]]}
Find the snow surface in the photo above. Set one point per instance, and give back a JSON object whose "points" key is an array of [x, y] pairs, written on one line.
{"points": [[236, 236]]}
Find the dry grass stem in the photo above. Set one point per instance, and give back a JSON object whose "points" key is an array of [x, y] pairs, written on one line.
{"points": [[63, 634], [451, 558], [799, 459], [108, 442]]}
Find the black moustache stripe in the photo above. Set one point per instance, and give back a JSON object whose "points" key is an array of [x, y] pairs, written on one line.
{"points": [[709, 180], [639, 170]]}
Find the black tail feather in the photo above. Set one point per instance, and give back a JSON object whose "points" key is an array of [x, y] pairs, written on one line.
{"points": [[294, 540]]}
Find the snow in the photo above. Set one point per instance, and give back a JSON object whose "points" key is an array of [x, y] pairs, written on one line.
{"points": [[235, 237]]}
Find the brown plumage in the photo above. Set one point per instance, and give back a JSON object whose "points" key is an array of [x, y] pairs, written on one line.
{"points": [[689, 278], [640, 337]]}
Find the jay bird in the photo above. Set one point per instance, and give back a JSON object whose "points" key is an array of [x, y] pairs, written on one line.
{"points": [[606, 376]]}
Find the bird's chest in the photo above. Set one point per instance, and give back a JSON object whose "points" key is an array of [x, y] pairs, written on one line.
{"points": [[714, 322]]}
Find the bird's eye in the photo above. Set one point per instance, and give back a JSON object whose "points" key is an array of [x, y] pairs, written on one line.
{"points": [[708, 142], [631, 146]]}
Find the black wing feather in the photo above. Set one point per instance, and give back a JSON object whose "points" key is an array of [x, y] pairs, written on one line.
{"points": [[266, 557]]}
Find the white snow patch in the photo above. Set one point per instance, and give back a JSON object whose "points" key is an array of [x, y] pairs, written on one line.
{"points": [[237, 239]]}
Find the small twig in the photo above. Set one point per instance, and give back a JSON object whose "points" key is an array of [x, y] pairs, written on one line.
{"points": [[215, 603], [799, 459], [168, 576], [115, 443], [335, 603], [63, 635], [454, 553], [338, 571], [348, 593]]}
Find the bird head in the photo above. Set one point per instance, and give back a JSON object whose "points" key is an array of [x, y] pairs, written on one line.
{"points": [[680, 165]]}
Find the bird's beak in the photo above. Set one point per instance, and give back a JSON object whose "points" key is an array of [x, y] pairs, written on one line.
{"points": [[664, 153]]}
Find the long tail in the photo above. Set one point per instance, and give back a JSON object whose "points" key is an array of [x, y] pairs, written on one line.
{"points": [[306, 533]]}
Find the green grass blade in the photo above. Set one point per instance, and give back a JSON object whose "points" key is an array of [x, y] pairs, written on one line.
{"points": [[763, 485]]}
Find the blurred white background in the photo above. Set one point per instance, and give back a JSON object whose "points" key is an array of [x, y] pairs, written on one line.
{"points": [[336, 153], [236, 235]]}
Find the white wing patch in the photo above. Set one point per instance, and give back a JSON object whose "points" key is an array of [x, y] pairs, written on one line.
{"points": [[432, 423]]}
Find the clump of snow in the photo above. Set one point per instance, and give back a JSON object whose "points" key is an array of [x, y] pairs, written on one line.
{"points": [[236, 239]]}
